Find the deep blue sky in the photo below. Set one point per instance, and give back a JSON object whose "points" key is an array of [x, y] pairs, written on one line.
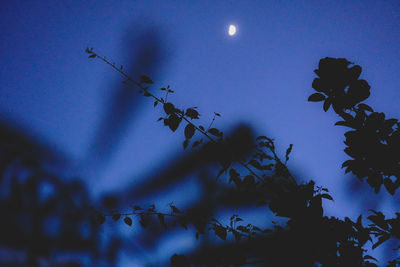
{"points": [[261, 76]]}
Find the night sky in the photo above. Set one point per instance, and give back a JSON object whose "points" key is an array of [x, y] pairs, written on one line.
{"points": [[261, 77]]}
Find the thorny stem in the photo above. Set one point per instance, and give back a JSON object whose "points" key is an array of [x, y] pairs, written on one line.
{"points": [[181, 115]]}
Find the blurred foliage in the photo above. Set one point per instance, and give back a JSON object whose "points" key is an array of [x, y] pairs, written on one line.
{"points": [[307, 238]]}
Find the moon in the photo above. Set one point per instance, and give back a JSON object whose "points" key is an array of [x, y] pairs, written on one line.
{"points": [[232, 30]]}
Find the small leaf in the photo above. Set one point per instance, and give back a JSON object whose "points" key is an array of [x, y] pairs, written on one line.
{"points": [[215, 132], [365, 107], [189, 131], [255, 164], [327, 196], [288, 151], [217, 114], [192, 113], [175, 209], [92, 56], [155, 103], [316, 97], [327, 104], [201, 128], [116, 217], [390, 186], [185, 143], [220, 232], [135, 208], [145, 79], [128, 221], [368, 257], [169, 108], [172, 122]]}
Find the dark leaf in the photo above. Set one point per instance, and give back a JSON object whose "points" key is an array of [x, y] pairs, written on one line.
{"points": [[145, 79], [189, 131], [192, 113], [116, 217], [175, 209], [288, 151], [368, 257], [236, 234], [169, 108], [185, 143], [389, 185], [255, 164], [316, 97], [135, 208], [196, 143], [155, 103], [92, 56], [220, 232], [173, 122], [365, 107], [128, 221], [327, 196], [215, 132], [327, 104]]}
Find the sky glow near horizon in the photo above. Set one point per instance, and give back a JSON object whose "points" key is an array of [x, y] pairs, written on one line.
{"points": [[52, 91]]}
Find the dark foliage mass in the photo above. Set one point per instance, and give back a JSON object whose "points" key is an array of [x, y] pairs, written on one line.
{"points": [[256, 178], [308, 238]]}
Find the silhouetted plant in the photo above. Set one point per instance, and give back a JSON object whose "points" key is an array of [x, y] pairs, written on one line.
{"points": [[308, 238]]}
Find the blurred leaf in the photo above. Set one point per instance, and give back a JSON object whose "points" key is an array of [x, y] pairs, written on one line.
{"points": [[116, 216]]}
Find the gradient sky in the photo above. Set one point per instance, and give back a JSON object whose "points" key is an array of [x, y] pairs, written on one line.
{"points": [[261, 76]]}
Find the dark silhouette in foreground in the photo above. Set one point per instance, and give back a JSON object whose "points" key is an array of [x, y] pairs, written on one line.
{"points": [[45, 216]]}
